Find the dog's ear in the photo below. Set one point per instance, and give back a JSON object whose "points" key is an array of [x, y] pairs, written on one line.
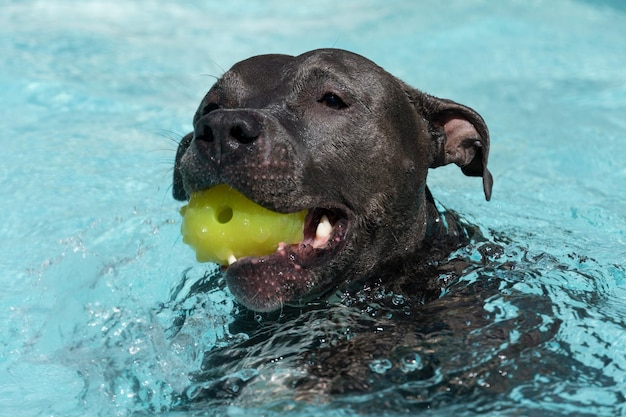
{"points": [[178, 190], [459, 135]]}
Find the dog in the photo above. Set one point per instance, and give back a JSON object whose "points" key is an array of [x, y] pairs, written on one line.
{"points": [[365, 301], [332, 132]]}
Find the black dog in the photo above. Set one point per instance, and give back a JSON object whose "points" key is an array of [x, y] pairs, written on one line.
{"points": [[332, 132], [382, 302]]}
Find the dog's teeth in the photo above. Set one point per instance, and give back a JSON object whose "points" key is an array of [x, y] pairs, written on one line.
{"points": [[323, 232], [324, 228], [231, 260]]}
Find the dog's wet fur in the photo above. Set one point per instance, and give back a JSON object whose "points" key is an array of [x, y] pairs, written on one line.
{"points": [[332, 132]]}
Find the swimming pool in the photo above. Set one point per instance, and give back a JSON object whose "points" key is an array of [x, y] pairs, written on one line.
{"points": [[95, 96]]}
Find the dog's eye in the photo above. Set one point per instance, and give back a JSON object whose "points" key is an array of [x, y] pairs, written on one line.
{"points": [[333, 101], [208, 108]]}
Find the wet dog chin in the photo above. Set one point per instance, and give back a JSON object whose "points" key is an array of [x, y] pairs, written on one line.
{"points": [[286, 276]]}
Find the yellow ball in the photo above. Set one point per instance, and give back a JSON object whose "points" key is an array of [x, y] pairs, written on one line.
{"points": [[222, 225]]}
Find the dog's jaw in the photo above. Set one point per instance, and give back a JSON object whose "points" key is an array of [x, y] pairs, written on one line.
{"points": [[293, 274]]}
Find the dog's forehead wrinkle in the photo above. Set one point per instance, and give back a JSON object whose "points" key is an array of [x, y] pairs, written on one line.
{"points": [[318, 76], [254, 82], [347, 71]]}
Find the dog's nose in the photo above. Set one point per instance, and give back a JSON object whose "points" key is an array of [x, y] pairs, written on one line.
{"points": [[245, 131], [230, 128]]}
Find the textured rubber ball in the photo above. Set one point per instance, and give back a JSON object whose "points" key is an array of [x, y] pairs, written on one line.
{"points": [[222, 225]]}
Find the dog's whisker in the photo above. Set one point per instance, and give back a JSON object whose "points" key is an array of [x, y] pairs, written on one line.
{"points": [[212, 76], [170, 135]]}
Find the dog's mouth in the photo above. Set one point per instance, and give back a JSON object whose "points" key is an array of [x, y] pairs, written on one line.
{"points": [[269, 258], [324, 233], [294, 273]]}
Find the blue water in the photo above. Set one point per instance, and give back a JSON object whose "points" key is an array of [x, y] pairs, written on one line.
{"points": [[94, 96]]}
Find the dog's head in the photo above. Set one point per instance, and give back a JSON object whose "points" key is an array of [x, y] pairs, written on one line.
{"points": [[331, 132]]}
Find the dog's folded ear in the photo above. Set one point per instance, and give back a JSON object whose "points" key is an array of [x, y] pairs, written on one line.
{"points": [[178, 190], [459, 135]]}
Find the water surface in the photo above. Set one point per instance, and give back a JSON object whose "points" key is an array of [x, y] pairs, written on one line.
{"points": [[95, 96]]}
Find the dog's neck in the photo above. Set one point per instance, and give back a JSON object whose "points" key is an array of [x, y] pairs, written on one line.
{"points": [[445, 229], [417, 275]]}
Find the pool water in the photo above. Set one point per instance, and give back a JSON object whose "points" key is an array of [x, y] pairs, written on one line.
{"points": [[95, 281]]}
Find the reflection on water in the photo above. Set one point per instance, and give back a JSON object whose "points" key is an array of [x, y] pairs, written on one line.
{"points": [[505, 335]]}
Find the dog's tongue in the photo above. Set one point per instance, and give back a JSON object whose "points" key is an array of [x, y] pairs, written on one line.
{"points": [[222, 225]]}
